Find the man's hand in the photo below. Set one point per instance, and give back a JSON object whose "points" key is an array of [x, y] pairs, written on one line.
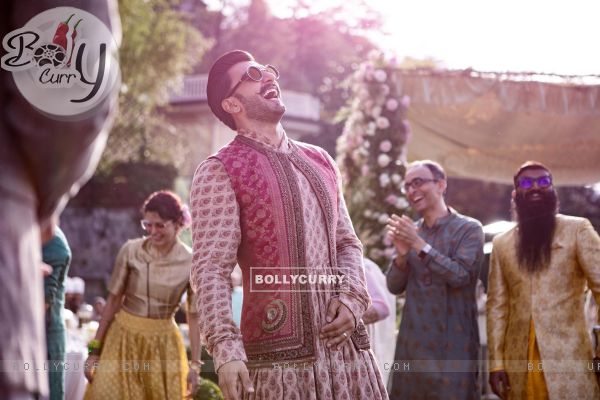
{"points": [[232, 373], [499, 384], [395, 231], [407, 232], [340, 324]]}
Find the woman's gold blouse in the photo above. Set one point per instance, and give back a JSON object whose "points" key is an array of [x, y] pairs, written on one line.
{"points": [[152, 285]]}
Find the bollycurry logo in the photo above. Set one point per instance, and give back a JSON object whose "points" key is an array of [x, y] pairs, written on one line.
{"points": [[64, 61]]}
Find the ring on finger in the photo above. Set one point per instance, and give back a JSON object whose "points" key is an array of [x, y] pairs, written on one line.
{"points": [[345, 335]]}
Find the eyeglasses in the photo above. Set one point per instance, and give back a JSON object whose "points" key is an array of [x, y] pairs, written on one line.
{"points": [[541, 181], [417, 183], [254, 73], [147, 225]]}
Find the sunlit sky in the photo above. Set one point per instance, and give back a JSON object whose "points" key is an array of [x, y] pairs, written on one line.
{"points": [[561, 37]]}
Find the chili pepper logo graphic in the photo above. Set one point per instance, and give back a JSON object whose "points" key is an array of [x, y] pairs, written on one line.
{"points": [[60, 36], [61, 67], [55, 54]]}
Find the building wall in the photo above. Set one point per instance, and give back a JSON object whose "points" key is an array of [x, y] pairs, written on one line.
{"points": [[95, 236]]}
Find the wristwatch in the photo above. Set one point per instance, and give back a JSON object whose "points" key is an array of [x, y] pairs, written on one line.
{"points": [[424, 251]]}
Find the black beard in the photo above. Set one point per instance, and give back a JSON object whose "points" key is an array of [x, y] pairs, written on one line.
{"points": [[261, 109], [537, 221]]}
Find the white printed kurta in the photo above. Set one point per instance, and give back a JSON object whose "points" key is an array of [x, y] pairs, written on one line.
{"points": [[347, 373]]}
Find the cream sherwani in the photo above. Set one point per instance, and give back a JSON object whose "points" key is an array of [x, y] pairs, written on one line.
{"points": [[554, 300]]}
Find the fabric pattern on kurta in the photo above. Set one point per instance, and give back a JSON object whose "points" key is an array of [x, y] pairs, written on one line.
{"points": [[347, 373], [554, 299], [438, 335]]}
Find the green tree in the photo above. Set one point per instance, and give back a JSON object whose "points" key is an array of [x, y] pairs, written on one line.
{"points": [[315, 50], [159, 46]]}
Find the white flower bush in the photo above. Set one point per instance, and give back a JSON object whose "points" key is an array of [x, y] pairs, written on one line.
{"points": [[371, 153], [383, 160], [376, 112], [380, 75], [402, 203], [382, 123], [391, 104], [383, 218], [385, 146], [384, 180]]}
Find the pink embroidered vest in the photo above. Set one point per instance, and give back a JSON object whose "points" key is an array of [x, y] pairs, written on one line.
{"points": [[277, 325]]}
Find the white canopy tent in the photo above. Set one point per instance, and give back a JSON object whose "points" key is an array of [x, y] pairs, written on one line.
{"points": [[484, 125]]}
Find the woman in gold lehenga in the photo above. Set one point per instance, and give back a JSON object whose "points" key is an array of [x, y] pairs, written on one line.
{"points": [[138, 351]]}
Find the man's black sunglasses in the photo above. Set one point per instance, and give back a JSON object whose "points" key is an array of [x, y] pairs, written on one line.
{"points": [[254, 73]]}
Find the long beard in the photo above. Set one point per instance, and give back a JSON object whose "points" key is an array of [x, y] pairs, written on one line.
{"points": [[537, 222], [262, 110]]}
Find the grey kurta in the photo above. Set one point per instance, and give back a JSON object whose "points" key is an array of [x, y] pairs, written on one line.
{"points": [[439, 320]]}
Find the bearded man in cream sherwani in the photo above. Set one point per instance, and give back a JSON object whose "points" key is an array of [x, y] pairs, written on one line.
{"points": [[538, 344]]}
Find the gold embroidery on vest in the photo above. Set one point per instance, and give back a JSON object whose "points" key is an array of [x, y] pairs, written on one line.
{"points": [[276, 315]]}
